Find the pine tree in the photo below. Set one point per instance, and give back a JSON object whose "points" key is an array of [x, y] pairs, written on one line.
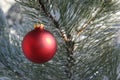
{"points": [[85, 33]]}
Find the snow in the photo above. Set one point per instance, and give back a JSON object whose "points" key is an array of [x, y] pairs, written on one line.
{"points": [[6, 4]]}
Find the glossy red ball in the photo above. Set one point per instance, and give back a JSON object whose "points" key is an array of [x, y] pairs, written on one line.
{"points": [[39, 45]]}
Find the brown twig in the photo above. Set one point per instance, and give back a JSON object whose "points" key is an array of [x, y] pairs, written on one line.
{"points": [[54, 21], [68, 42], [88, 22]]}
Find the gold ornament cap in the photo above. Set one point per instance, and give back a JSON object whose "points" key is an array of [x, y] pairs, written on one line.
{"points": [[41, 26]]}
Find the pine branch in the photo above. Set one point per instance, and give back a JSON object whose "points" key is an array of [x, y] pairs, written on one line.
{"points": [[94, 52], [69, 44], [89, 21], [48, 14], [54, 21], [11, 69]]}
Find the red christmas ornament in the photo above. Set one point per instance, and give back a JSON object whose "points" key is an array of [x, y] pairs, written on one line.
{"points": [[39, 45]]}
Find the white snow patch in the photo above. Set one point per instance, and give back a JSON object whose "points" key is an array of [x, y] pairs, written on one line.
{"points": [[6, 4]]}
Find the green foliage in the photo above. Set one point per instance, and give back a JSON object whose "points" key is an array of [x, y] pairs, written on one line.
{"points": [[2, 21], [88, 52]]}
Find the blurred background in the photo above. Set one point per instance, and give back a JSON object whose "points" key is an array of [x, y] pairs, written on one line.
{"points": [[12, 14]]}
